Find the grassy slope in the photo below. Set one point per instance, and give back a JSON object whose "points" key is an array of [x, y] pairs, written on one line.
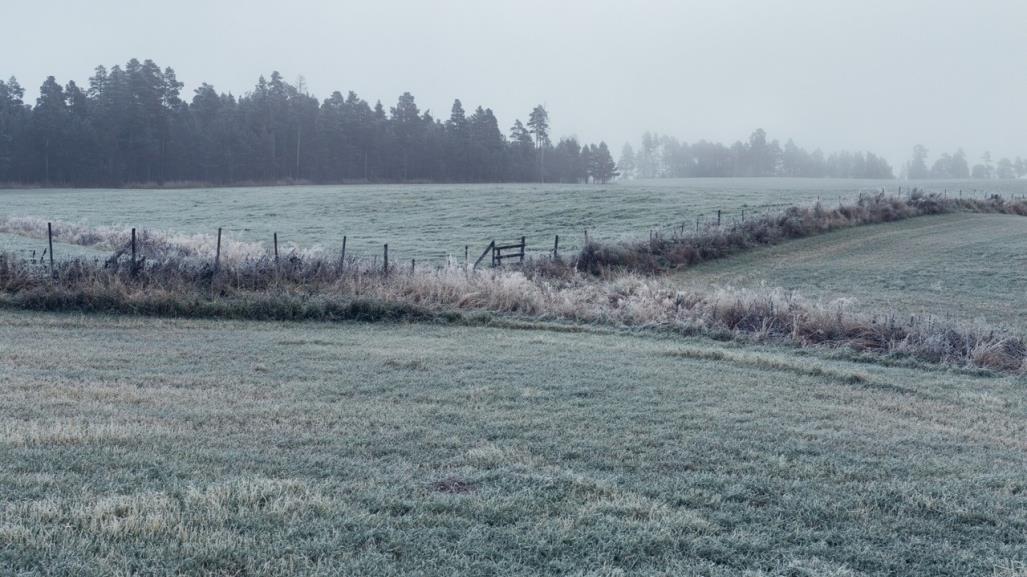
{"points": [[965, 266], [200, 447]]}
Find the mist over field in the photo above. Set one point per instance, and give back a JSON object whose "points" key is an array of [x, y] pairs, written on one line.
{"points": [[837, 75], [585, 288]]}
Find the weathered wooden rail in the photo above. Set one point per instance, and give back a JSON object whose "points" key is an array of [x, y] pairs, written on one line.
{"points": [[502, 252]]}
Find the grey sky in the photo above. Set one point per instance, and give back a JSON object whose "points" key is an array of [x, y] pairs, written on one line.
{"points": [[860, 74]]}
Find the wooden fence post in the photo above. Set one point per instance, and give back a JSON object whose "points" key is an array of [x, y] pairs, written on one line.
{"points": [[343, 257], [217, 254], [467, 255], [49, 237], [133, 252], [697, 223], [276, 247], [556, 248], [385, 263], [524, 248], [413, 265], [718, 217], [489, 248]]}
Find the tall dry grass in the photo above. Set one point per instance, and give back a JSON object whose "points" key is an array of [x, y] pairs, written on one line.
{"points": [[316, 288]]}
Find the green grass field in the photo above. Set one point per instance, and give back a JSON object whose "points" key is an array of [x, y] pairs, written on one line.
{"points": [[153, 447], [962, 266]]}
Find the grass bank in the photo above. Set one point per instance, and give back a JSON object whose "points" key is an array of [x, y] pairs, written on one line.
{"points": [[315, 289], [956, 265], [661, 253]]}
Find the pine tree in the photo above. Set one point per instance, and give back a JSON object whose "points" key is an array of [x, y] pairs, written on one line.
{"points": [[605, 168], [918, 166], [627, 160], [587, 163], [487, 144], [458, 143], [48, 124], [538, 125], [13, 117]]}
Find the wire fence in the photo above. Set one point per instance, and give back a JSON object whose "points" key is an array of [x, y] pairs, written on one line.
{"points": [[41, 251]]}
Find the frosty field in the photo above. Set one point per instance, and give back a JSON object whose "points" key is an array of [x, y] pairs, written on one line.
{"points": [[959, 266], [158, 447], [431, 222], [512, 444]]}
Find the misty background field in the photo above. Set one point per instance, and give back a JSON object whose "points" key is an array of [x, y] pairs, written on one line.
{"points": [[433, 222]]}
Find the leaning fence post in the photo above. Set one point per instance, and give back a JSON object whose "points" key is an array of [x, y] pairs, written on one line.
{"points": [[342, 258], [385, 262], [556, 248], [217, 254], [483, 253], [49, 237]]}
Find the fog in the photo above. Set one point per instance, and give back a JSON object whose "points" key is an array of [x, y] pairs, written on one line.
{"points": [[869, 74]]}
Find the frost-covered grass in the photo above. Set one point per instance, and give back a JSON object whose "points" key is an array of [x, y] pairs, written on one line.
{"points": [[193, 447], [963, 266], [431, 222]]}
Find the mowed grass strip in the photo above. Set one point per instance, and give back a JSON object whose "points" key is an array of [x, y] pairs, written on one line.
{"points": [[960, 266], [174, 447]]}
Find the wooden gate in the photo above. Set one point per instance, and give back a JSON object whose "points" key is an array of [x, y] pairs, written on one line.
{"points": [[502, 252]]}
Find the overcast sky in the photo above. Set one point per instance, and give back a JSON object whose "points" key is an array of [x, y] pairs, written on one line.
{"points": [[855, 74]]}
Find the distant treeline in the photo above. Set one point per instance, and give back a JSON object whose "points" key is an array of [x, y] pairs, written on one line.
{"points": [[956, 166], [666, 157], [131, 125]]}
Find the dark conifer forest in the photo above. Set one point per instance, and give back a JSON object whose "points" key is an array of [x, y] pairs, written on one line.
{"points": [[133, 125]]}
